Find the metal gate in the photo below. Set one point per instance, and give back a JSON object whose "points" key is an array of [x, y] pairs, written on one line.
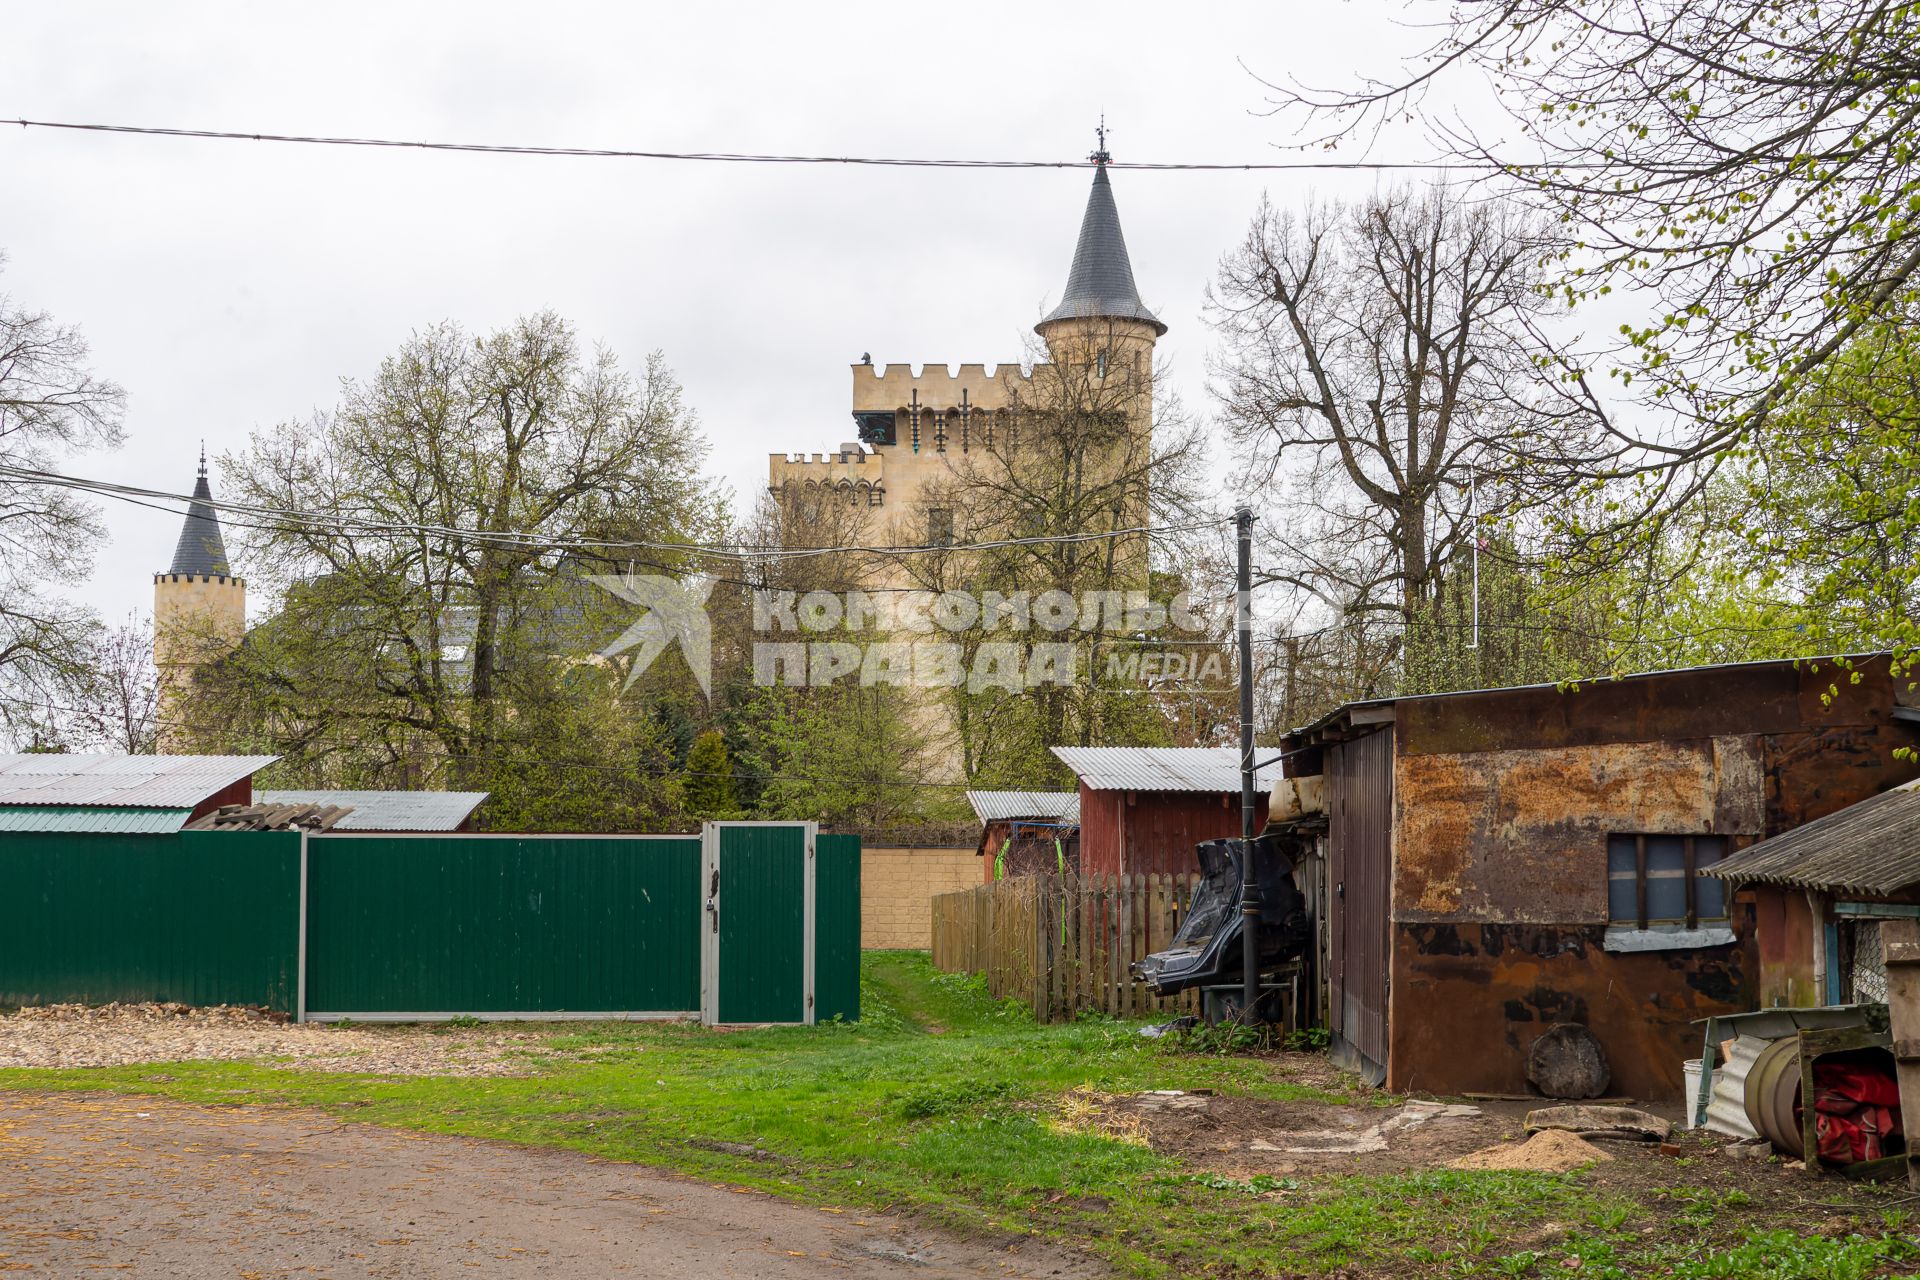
{"points": [[1360, 868], [757, 945]]}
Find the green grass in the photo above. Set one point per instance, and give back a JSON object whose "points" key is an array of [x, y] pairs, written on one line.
{"points": [[945, 1103]]}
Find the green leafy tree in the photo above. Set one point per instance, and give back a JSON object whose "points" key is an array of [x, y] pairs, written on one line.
{"points": [[435, 618]]}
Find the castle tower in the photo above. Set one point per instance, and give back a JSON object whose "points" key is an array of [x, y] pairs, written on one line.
{"points": [[199, 613], [914, 427], [1100, 318]]}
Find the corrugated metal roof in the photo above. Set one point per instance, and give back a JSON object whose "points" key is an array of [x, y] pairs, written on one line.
{"points": [[1167, 768], [67, 818], [121, 781], [1002, 806], [388, 810], [1870, 847]]}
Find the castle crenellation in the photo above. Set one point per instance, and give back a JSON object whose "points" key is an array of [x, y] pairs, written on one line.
{"points": [[917, 423]]}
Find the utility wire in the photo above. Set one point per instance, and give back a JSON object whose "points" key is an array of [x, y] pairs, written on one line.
{"points": [[334, 522], [738, 157]]}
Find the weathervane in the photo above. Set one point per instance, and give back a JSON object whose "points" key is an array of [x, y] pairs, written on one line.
{"points": [[1100, 156]]}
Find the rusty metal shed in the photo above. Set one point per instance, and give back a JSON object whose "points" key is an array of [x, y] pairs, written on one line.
{"points": [[1521, 857]]}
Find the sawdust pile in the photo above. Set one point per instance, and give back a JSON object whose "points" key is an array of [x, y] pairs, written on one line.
{"points": [[1549, 1151], [115, 1035]]}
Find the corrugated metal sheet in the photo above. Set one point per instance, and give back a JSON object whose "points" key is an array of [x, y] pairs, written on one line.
{"points": [[1360, 867], [67, 818], [197, 917], [502, 924], [1167, 768], [388, 810], [144, 782], [763, 924], [836, 928], [1870, 847], [1003, 806]]}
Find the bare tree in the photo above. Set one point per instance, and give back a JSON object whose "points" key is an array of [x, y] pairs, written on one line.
{"points": [[1380, 374], [1086, 453], [1748, 166], [51, 407], [120, 704]]}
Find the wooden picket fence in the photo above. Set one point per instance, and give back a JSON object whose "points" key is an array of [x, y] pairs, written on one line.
{"points": [[1063, 944]]}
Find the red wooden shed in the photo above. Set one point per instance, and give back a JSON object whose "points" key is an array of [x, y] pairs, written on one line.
{"points": [[1142, 809]]}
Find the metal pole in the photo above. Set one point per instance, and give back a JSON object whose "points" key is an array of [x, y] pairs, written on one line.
{"points": [[1249, 884], [1473, 510]]}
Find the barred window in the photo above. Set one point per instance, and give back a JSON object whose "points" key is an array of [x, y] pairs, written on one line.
{"points": [[1660, 879]]}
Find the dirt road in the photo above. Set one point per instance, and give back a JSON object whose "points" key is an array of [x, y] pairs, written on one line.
{"points": [[95, 1184]]}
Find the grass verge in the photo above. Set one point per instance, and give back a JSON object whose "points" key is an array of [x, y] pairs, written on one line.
{"points": [[944, 1103]]}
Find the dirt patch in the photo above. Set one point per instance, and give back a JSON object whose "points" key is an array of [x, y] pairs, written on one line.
{"points": [[1697, 1189], [1246, 1136], [1549, 1151], [116, 1035], [148, 1187]]}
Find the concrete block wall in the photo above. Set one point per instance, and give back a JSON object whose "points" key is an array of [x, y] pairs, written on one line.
{"points": [[897, 886]]}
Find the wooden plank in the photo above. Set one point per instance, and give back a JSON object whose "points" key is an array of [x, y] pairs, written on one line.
{"points": [[1640, 879], [1900, 939], [1090, 930]]}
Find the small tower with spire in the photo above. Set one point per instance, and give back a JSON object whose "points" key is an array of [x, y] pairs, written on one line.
{"points": [[199, 612], [1100, 318]]}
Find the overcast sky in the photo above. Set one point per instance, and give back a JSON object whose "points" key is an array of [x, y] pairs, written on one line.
{"points": [[230, 285]]}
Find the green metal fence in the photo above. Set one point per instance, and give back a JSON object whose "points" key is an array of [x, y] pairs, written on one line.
{"points": [[194, 917], [437, 926], [424, 927], [836, 928]]}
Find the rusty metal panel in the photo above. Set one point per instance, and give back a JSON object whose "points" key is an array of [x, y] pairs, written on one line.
{"points": [[1810, 775], [1521, 836], [1669, 706], [1360, 804], [1496, 987]]}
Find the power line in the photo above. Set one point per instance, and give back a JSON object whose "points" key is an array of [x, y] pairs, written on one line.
{"points": [[738, 157], [521, 761], [334, 522]]}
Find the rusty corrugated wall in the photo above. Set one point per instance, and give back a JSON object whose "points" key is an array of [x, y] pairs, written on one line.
{"points": [[1360, 860], [1506, 800]]}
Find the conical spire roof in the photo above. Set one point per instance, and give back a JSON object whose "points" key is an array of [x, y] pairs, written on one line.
{"points": [[201, 550], [1100, 284]]}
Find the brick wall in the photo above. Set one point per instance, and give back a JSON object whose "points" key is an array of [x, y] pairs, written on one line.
{"points": [[897, 887]]}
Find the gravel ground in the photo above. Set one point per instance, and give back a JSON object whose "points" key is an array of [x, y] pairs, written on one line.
{"points": [[69, 1035]]}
